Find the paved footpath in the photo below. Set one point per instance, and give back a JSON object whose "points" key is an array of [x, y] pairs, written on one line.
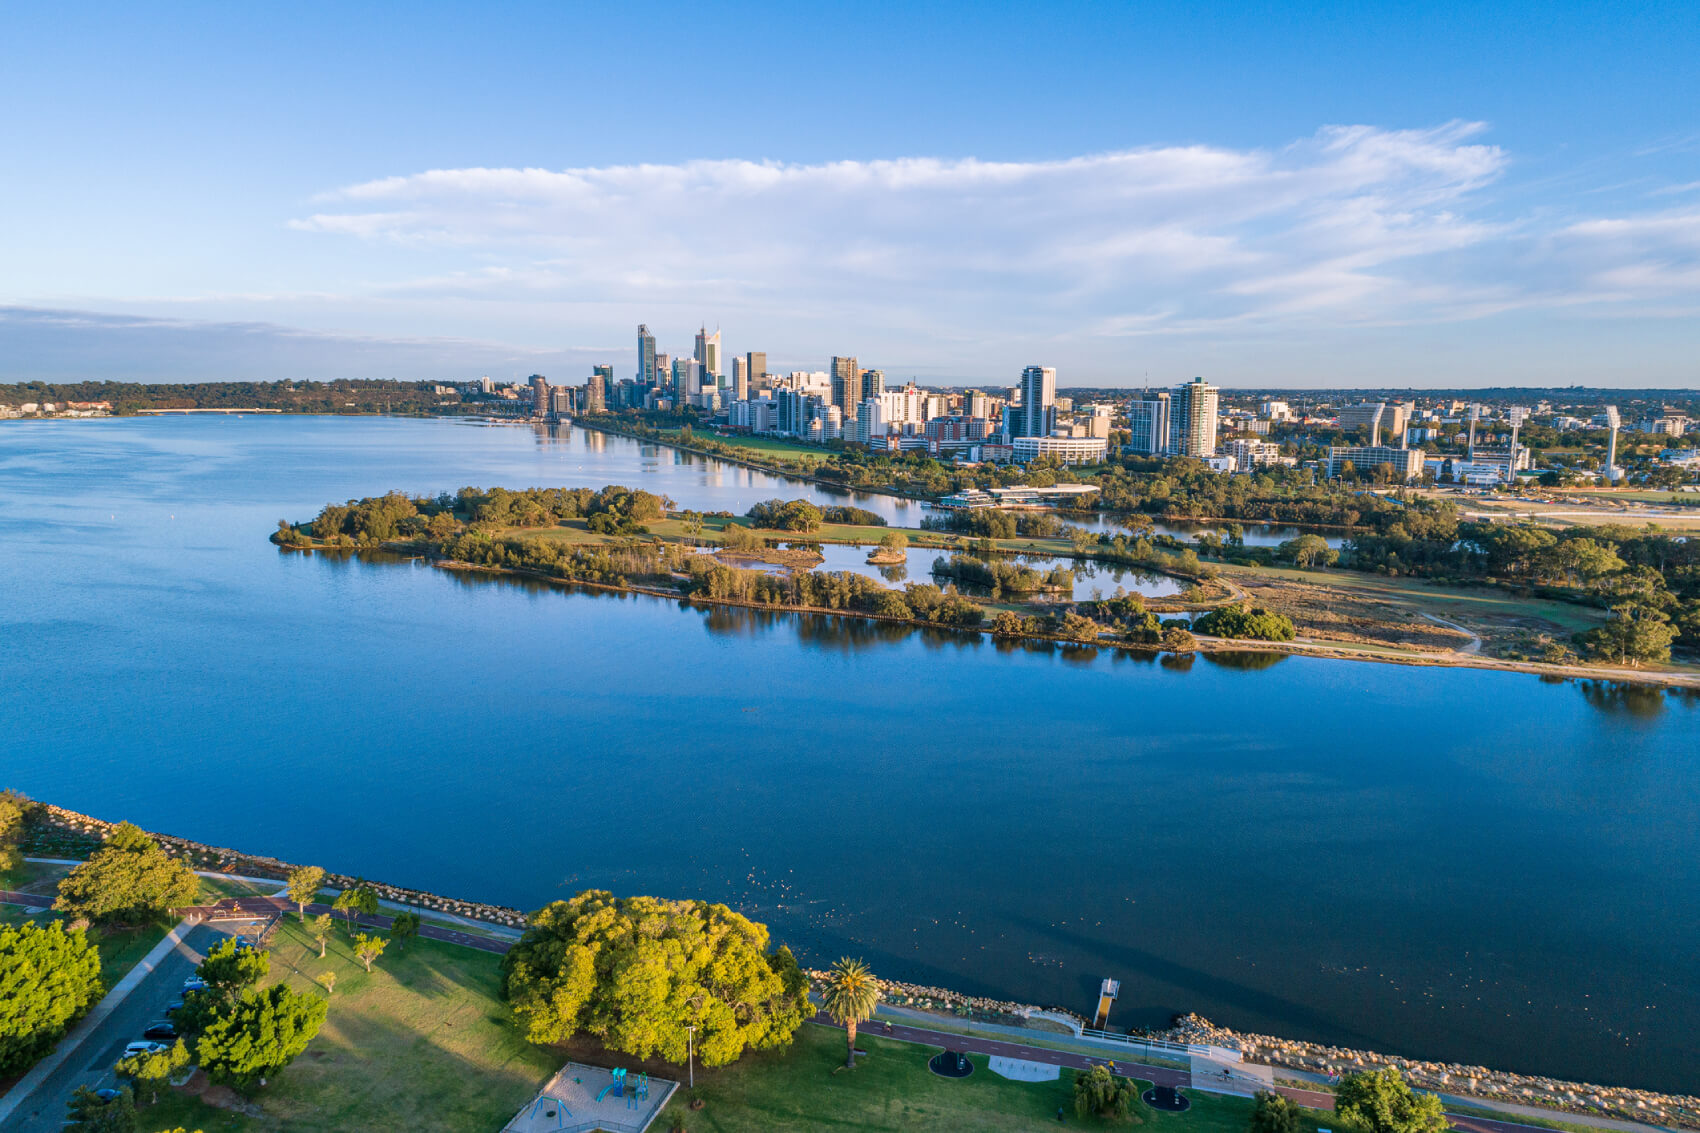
{"points": [[234, 908]]}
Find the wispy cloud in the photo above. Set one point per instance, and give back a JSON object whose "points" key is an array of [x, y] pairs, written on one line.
{"points": [[1320, 229]]}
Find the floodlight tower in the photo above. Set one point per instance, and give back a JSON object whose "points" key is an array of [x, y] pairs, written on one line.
{"points": [[1614, 422], [1475, 415]]}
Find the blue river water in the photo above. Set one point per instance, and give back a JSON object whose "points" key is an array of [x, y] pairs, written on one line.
{"points": [[1478, 866]]}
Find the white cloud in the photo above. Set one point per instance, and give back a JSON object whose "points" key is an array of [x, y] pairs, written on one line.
{"points": [[1319, 229]]}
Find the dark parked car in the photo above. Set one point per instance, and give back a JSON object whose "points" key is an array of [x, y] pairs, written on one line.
{"points": [[161, 1030], [174, 1006]]}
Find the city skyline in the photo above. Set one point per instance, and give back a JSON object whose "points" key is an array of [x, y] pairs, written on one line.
{"points": [[1347, 198]]}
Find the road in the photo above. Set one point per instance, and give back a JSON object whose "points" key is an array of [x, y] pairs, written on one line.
{"points": [[90, 1063]]}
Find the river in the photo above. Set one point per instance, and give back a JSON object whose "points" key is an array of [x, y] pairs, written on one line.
{"points": [[1444, 863]]}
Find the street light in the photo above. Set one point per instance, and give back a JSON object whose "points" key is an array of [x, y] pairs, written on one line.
{"points": [[690, 1048]]}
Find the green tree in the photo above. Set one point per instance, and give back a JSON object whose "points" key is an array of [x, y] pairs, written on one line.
{"points": [[13, 808], [368, 948], [1380, 1101], [327, 980], [1308, 551], [636, 971], [127, 881], [304, 886], [404, 928], [48, 978], [1633, 634], [87, 1113], [1098, 1093], [229, 971], [1246, 622], [1275, 1114], [149, 1071], [319, 928], [1177, 640], [354, 901], [259, 1035], [849, 997]]}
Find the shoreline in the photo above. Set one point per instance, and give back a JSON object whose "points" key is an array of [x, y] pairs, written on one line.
{"points": [[1544, 1093], [1204, 643]]}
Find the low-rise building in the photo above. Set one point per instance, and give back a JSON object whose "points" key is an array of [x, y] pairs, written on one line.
{"points": [[1407, 463], [1069, 450]]}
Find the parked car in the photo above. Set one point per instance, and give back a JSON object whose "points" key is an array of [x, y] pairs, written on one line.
{"points": [[174, 1006], [143, 1048], [194, 983], [164, 1029], [107, 1095]]}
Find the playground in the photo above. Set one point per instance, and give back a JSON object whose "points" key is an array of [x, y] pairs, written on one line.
{"points": [[581, 1098]]}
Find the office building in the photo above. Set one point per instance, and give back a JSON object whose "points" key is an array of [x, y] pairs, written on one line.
{"points": [[1255, 454], [1192, 420], [755, 365], [708, 353], [646, 372], [740, 378], [846, 386], [1407, 463]]}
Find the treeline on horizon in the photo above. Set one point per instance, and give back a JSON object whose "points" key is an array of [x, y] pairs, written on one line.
{"points": [[367, 395]]}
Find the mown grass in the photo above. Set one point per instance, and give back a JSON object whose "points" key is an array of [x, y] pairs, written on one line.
{"points": [[761, 446], [422, 1043], [802, 1088]]}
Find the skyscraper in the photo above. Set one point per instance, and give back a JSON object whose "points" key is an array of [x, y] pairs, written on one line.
{"points": [[873, 383], [646, 357], [740, 378], [756, 366], [1148, 422], [708, 351], [1038, 401], [1192, 420], [846, 386]]}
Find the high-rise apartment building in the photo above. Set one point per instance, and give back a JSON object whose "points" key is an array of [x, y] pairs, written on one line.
{"points": [[595, 394], [1038, 402], [646, 374], [1192, 420], [539, 394], [846, 386], [873, 383], [708, 352], [1148, 422]]}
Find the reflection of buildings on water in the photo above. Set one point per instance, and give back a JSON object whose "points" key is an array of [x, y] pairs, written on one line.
{"points": [[552, 432], [594, 440]]}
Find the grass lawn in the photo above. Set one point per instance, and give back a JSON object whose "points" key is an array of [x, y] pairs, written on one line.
{"points": [[759, 446], [34, 877], [123, 949], [892, 1089], [421, 1043], [214, 888]]}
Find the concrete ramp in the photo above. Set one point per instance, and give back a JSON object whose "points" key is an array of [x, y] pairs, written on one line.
{"points": [[1220, 1074], [1017, 1070]]}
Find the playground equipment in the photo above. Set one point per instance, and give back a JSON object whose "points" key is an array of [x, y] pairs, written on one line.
{"points": [[617, 1087]]}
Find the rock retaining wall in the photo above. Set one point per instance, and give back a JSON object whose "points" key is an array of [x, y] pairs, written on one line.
{"points": [[1448, 1077], [942, 1000], [56, 826]]}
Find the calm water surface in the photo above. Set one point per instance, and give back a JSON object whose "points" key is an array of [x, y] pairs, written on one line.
{"points": [[1447, 864]]}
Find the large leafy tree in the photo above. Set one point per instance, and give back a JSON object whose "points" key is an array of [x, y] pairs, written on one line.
{"points": [[1248, 622], [229, 973], [86, 1112], [259, 1035], [1275, 1114], [1098, 1093], [354, 901], [850, 996], [304, 885], [13, 808], [148, 1071], [637, 971], [127, 881], [48, 978], [1632, 634], [1381, 1101]]}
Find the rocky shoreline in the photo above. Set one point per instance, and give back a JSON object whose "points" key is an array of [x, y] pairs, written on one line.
{"points": [[1448, 1077], [57, 830]]}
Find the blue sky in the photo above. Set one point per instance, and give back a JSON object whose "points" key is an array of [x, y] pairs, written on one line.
{"points": [[1270, 195]]}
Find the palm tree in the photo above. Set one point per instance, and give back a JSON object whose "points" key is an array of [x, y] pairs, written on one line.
{"points": [[851, 995]]}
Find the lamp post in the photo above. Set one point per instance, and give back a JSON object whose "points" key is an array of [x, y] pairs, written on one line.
{"points": [[690, 1051]]}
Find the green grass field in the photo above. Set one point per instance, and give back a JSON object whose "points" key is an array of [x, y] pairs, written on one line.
{"points": [[760, 446], [891, 1089], [422, 1043]]}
